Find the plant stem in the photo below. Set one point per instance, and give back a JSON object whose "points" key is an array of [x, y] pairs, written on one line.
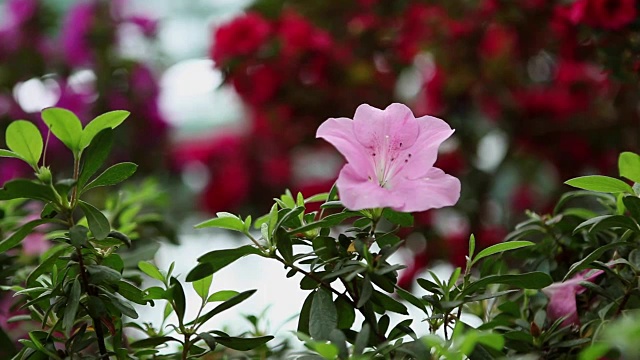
{"points": [[97, 325]]}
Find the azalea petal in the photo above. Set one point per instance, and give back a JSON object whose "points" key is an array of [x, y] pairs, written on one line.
{"points": [[390, 129], [359, 192], [562, 303], [433, 132], [435, 190], [339, 133]]}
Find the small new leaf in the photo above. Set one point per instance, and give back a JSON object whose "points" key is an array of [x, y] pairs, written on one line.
{"points": [[24, 139]]}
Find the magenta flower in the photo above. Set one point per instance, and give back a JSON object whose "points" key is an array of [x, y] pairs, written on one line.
{"points": [[562, 297], [390, 156]]}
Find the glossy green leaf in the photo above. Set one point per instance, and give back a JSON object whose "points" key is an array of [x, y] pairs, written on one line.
{"points": [[98, 222], [216, 260], [593, 256], [608, 222], [102, 275], [285, 247], [22, 232], [151, 270], [209, 340], [47, 263], [345, 312], [202, 287], [108, 120], [113, 175], [632, 203], [230, 222], [222, 295], [629, 166], [242, 344], [411, 299], [26, 189], [501, 247], [11, 154], [323, 317], [600, 183], [95, 155], [365, 292], [131, 292], [179, 299], [65, 125], [398, 218], [531, 280], [225, 306], [78, 235], [25, 140], [305, 314], [73, 302], [151, 342], [362, 339]]}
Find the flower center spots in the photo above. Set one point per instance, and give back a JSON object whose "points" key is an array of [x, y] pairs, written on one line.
{"points": [[389, 158]]}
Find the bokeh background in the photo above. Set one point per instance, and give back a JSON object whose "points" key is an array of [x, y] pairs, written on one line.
{"points": [[226, 95]]}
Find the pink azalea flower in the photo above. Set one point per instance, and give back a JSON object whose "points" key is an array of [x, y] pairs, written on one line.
{"points": [[562, 297], [390, 156]]}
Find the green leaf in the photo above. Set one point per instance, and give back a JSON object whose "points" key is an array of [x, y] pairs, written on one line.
{"points": [[113, 175], [20, 234], [151, 342], [323, 317], [65, 125], [629, 166], [346, 313], [593, 256], [600, 183], [224, 306], [216, 260], [95, 155], [47, 263], [202, 287], [608, 222], [362, 339], [632, 203], [531, 280], [365, 292], [398, 218], [78, 235], [102, 275], [131, 292], [388, 303], [242, 344], [285, 247], [177, 294], [108, 120], [222, 295], [411, 299], [502, 247], [98, 223], [305, 313], [25, 140], [70, 310], [151, 270], [11, 154], [26, 189], [228, 221]]}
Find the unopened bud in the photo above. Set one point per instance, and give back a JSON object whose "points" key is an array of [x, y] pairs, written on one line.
{"points": [[44, 174]]}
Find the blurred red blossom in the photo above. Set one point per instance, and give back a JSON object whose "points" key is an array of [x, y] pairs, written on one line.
{"points": [[608, 14], [241, 36]]}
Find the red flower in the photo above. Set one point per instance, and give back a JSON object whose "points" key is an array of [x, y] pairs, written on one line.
{"points": [[498, 41], [299, 35], [242, 36], [607, 14], [256, 84]]}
